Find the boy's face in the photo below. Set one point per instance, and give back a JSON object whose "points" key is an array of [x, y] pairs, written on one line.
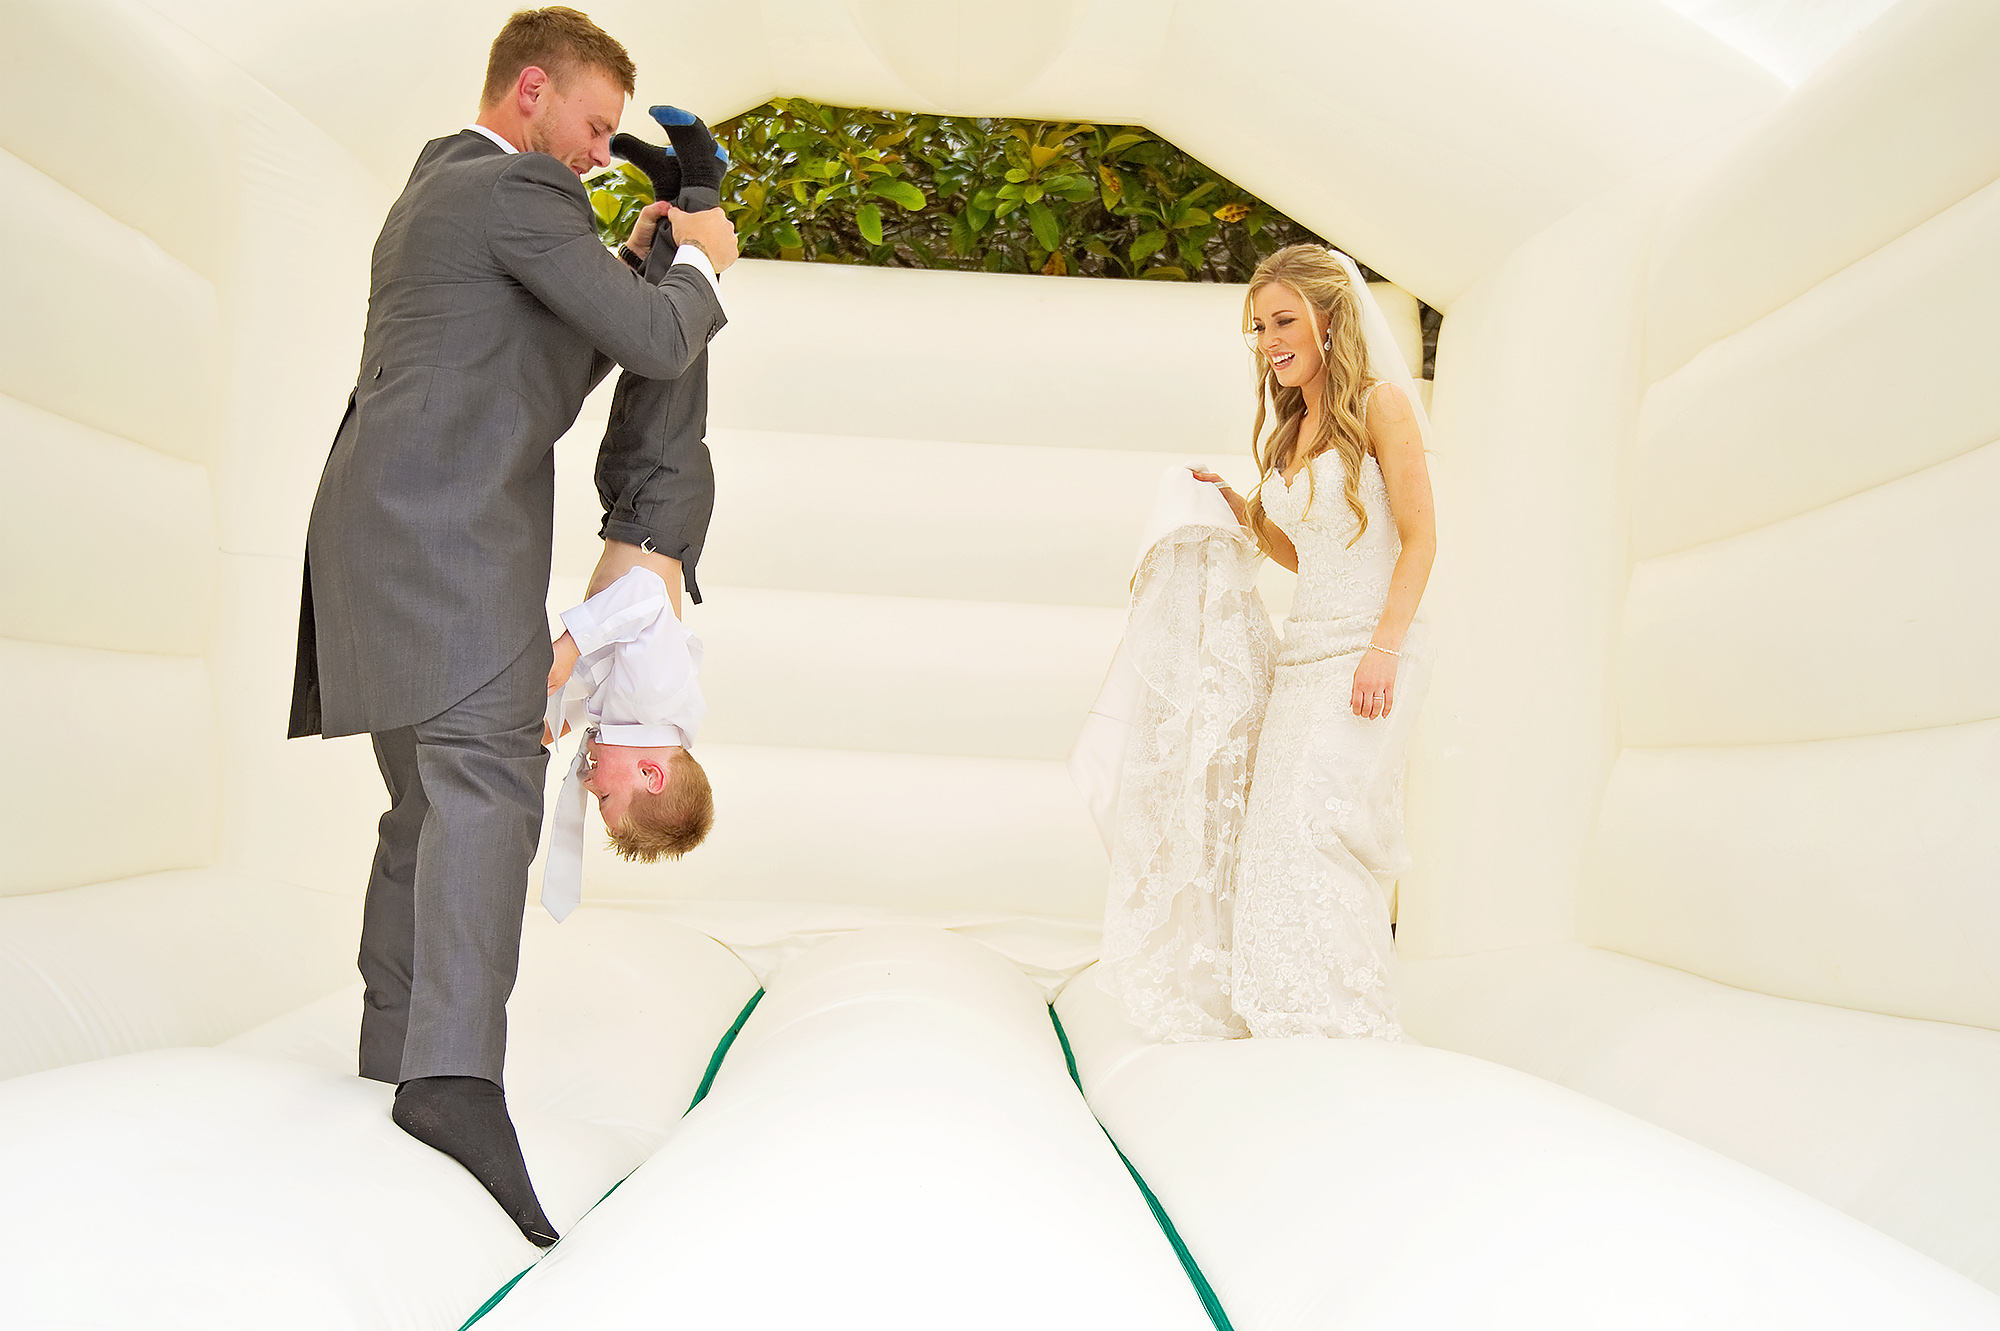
{"points": [[617, 772]]}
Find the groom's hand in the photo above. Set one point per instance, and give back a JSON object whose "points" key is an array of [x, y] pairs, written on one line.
{"points": [[709, 231], [565, 651]]}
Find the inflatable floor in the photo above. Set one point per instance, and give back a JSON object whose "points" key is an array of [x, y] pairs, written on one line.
{"points": [[1700, 950]]}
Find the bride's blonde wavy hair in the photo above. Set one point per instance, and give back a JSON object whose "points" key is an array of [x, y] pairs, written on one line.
{"points": [[1322, 283]]}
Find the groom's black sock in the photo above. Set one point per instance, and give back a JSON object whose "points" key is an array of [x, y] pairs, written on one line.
{"points": [[702, 162], [659, 164], [466, 1118]]}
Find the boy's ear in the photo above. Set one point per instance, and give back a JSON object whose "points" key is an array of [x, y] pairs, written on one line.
{"points": [[654, 774]]}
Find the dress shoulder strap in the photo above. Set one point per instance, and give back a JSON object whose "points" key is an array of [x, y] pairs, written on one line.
{"points": [[1367, 396]]}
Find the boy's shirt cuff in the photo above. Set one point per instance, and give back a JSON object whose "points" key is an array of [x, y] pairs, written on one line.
{"points": [[619, 613]]}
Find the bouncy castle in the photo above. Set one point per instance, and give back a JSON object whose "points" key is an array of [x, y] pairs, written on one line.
{"points": [[1700, 948]]}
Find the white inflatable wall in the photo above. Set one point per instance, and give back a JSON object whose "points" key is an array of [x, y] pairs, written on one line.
{"points": [[1703, 801], [1750, 735]]}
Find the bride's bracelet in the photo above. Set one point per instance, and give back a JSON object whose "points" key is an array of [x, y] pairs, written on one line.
{"points": [[1378, 647]]}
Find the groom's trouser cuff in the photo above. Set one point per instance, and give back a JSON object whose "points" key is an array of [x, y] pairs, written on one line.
{"points": [[654, 474]]}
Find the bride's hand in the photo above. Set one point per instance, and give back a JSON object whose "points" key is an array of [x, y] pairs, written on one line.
{"points": [[1374, 685], [1236, 504]]}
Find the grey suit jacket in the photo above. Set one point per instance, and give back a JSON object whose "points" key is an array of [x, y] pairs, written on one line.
{"points": [[493, 310]]}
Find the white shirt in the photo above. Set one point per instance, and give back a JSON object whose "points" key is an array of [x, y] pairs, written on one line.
{"points": [[505, 146], [637, 683], [637, 678], [692, 255]]}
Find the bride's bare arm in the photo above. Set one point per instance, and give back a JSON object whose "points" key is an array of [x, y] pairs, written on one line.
{"points": [[1392, 431], [1282, 548], [1283, 551]]}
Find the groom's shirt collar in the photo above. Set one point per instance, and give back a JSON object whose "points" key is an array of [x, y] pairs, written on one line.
{"points": [[504, 145]]}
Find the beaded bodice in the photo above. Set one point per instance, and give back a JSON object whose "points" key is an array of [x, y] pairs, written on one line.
{"points": [[1336, 580]]}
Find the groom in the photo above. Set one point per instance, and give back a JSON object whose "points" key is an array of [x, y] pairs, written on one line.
{"points": [[493, 309]]}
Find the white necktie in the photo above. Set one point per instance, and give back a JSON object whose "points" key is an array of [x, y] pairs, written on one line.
{"points": [[562, 874]]}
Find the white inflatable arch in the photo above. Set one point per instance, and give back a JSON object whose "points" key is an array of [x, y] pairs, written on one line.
{"points": [[1701, 942]]}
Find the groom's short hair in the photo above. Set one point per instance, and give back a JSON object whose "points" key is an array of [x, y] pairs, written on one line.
{"points": [[558, 41]]}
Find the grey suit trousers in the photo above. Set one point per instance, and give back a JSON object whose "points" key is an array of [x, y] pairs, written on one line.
{"points": [[441, 929], [654, 474]]}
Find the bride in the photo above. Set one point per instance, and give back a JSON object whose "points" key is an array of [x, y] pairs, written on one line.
{"points": [[1267, 913]]}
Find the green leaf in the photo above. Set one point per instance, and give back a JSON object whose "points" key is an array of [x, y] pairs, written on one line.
{"points": [[1043, 154], [1166, 274], [902, 192], [937, 182], [1146, 245], [642, 184], [606, 205], [868, 220], [1043, 223]]}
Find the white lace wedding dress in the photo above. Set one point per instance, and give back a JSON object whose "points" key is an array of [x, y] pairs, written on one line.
{"points": [[1262, 912], [1322, 839]]}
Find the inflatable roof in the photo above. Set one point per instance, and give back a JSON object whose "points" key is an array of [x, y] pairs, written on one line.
{"points": [[1700, 947]]}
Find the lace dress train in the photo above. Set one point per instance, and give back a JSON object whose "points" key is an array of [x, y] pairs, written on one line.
{"points": [[1201, 642]]}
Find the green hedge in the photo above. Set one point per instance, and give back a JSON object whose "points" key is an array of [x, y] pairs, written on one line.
{"points": [[837, 184], [851, 185]]}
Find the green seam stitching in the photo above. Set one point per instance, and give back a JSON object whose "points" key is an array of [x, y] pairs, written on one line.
{"points": [[1203, 1290], [722, 1050], [498, 1295], [707, 1080]]}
